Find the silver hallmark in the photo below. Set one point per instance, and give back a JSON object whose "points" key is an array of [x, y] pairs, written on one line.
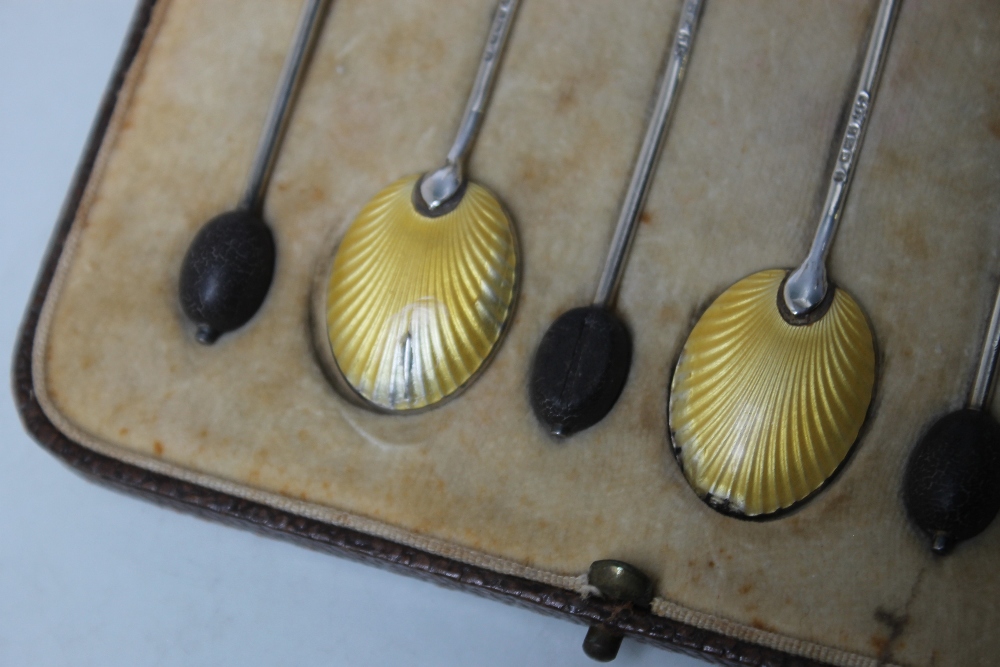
{"points": [[852, 134]]}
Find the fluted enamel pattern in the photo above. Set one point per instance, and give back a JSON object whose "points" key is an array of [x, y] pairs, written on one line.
{"points": [[416, 305], [763, 412]]}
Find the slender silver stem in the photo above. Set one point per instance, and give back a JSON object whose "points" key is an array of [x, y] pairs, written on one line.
{"points": [[277, 116], [649, 154], [983, 383], [807, 286], [440, 185]]}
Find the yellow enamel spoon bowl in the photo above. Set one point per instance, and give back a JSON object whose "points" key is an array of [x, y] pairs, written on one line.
{"points": [[774, 382], [424, 282]]}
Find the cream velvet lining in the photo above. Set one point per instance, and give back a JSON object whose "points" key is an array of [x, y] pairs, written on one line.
{"points": [[844, 579]]}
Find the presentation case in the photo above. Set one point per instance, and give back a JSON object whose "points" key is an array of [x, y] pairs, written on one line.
{"points": [[475, 494]]}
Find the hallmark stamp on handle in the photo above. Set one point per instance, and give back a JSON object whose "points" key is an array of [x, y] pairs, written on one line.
{"points": [[852, 136]]}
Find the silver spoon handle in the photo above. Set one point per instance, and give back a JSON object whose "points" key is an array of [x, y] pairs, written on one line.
{"points": [[483, 85], [440, 185], [277, 116], [980, 392], [807, 286], [649, 153]]}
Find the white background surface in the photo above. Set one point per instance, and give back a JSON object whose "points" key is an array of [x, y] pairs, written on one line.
{"points": [[92, 577]]}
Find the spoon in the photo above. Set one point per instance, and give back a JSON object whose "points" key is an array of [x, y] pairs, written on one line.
{"points": [[774, 382], [228, 267], [423, 283], [583, 360], [951, 487]]}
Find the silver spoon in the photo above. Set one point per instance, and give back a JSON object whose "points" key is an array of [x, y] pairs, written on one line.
{"points": [[229, 265], [423, 282], [582, 363], [951, 488], [773, 383]]}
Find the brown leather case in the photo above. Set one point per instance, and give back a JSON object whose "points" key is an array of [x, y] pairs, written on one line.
{"points": [[474, 495]]}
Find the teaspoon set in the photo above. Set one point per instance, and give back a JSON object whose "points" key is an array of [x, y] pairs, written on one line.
{"points": [[771, 388]]}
